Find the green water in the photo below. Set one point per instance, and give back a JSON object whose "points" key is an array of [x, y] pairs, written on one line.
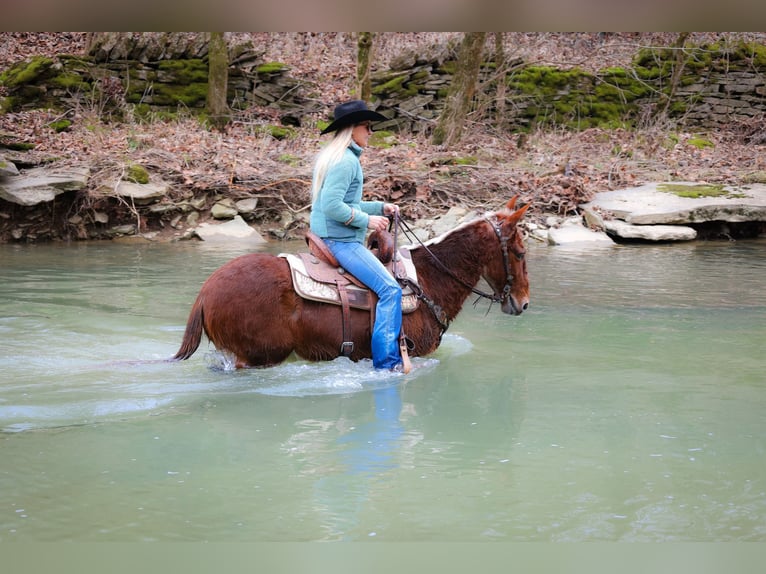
{"points": [[627, 404]]}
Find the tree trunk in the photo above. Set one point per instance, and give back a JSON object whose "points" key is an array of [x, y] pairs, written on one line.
{"points": [[217, 81], [678, 67], [502, 78], [461, 91], [363, 61]]}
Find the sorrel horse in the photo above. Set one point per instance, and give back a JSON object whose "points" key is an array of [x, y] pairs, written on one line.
{"points": [[249, 309]]}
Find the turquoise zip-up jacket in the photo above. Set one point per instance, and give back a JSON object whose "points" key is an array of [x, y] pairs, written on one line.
{"points": [[338, 211]]}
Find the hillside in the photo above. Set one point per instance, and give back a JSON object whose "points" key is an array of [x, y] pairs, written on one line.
{"points": [[554, 170]]}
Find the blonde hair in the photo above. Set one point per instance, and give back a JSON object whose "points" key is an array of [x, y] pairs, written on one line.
{"points": [[331, 154]]}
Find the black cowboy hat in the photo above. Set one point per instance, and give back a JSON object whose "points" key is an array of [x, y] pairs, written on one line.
{"points": [[350, 113]]}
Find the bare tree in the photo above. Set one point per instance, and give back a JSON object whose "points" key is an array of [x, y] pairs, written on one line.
{"points": [[461, 91], [502, 79], [363, 61], [217, 81]]}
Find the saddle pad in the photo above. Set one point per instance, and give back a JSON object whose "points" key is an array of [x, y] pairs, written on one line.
{"points": [[315, 283]]}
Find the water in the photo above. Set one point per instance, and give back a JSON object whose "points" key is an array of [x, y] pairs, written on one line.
{"points": [[627, 404]]}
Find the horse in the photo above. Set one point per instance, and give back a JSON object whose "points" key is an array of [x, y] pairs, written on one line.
{"points": [[249, 309]]}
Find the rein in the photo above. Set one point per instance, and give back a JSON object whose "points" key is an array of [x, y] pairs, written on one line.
{"points": [[439, 313]]}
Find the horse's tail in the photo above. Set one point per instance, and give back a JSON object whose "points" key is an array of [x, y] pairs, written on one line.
{"points": [[193, 333]]}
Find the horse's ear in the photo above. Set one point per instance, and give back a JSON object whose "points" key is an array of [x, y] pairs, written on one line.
{"points": [[511, 203], [516, 216]]}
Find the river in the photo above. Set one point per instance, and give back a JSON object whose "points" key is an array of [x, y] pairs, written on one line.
{"points": [[627, 404]]}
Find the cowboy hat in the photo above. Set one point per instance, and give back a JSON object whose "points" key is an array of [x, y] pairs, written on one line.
{"points": [[350, 113]]}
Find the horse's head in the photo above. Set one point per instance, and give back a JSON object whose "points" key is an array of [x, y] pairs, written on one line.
{"points": [[506, 273]]}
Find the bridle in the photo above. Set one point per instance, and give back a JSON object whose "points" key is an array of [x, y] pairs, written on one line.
{"points": [[439, 313]]}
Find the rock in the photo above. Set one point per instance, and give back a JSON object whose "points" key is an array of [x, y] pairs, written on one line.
{"points": [[649, 205], [192, 218], [142, 193], [246, 206], [624, 230], [450, 220], [573, 232], [7, 168], [234, 230], [40, 185], [223, 210]]}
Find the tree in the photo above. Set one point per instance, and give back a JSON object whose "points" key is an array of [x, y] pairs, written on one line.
{"points": [[461, 91], [502, 78], [363, 61], [218, 80]]}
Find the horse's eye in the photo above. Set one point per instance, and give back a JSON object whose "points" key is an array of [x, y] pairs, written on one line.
{"points": [[520, 255]]}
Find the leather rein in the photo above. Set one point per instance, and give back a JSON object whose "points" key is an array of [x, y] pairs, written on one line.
{"points": [[439, 313]]}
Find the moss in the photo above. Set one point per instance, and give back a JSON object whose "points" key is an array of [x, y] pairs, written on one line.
{"points": [[137, 174], [754, 177], [395, 86], [18, 146], [60, 125], [693, 191], [272, 68], [448, 67], [188, 71], [382, 139], [290, 159], [700, 142], [161, 94], [26, 71], [69, 81], [280, 132]]}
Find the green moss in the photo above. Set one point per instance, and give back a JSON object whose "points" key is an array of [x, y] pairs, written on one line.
{"points": [[60, 125], [693, 191], [161, 94], [137, 174], [281, 132], [755, 177], [290, 159], [18, 146], [382, 139], [190, 71], [272, 68], [69, 81], [699, 142], [395, 86], [26, 71]]}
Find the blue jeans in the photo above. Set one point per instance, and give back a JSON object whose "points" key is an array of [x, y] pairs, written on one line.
{"points": [[362, 264]]}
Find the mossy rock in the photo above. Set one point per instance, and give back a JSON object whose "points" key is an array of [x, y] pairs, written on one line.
{"points": [[137, 174], [382, 139], [281, 132], [272, 68], [694, 191], [191, 71], [700, 142], [26, 72], [60, 125]]}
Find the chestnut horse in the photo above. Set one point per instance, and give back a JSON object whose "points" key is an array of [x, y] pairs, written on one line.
{"points": [[249, 309]]}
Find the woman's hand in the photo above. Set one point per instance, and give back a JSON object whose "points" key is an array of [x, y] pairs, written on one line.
{"points": [[390, 209], [377, 222]]}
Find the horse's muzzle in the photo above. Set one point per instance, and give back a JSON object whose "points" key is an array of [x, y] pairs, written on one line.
{"points": [[511, 306]]}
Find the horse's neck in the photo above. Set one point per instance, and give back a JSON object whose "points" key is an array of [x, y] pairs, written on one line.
{"points": [[464, 252]]}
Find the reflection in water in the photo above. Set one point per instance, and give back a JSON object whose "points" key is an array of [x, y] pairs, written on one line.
{"points": [[365, 452]]}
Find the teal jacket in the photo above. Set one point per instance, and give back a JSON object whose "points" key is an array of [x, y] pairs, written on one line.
{"points": [[338, 211]]}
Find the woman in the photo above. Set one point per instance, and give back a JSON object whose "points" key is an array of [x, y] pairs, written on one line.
{"points": [[341, 218]]}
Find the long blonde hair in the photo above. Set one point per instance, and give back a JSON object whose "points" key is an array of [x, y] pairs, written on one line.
{"points": [[331, 154]]}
